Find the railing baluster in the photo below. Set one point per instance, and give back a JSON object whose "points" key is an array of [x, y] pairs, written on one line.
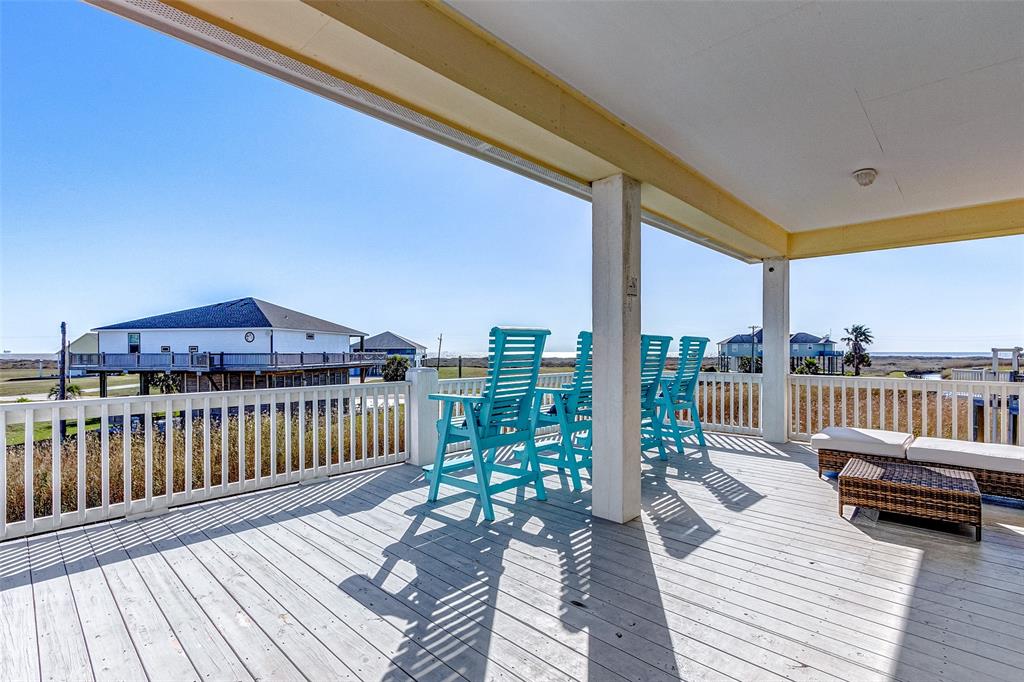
{"points": [[272, 453], [224, 444], [1004, 416], [56, 476], [316, 431], [207, 448], [954, 401], [187, 419], [257, 440], [302, 434], [148, 417], [169, 450], [126, 448], [105, 457], [376, 409], [362, 423], [287, 436], [241, 442], [30, 429], [328, 455], [80, 451]]}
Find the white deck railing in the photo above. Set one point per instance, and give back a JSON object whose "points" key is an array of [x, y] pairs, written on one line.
{"points": [[207, 448], [729, 402], [974, 410]]}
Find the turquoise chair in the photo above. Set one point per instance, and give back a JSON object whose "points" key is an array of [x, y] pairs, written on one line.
{"points": [[653, 352], [678, 393], [501, 416], [570, 410]]}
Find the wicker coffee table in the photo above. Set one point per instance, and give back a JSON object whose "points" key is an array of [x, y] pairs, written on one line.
{"points": [[925, 492]]}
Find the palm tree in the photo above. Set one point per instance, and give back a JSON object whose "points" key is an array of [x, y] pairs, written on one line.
{"points": [[857, 338], [71, 391]]}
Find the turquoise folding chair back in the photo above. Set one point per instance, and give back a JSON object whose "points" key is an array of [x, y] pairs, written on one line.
{"points": [[570, 411], [679, 392], [501, 416], [653, 352]]}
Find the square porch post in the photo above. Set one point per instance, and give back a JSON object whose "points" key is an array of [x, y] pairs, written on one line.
{"points": [[616, 369], [775, 359]]}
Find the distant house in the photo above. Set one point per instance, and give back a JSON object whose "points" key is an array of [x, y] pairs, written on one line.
{"points": [[86, 343], [244, 343], [801, 346], [391, 343]]}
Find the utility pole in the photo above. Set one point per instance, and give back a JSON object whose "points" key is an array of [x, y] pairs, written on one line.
{"points": [[62, 390], [753, 328], [439, 337], [61, 361]]}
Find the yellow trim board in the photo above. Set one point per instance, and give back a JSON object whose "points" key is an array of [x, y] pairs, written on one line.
{"points": [[998, 219], [433, 35]]}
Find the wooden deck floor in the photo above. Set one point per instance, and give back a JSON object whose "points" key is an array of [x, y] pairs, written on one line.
{"points": [[740, 568]]}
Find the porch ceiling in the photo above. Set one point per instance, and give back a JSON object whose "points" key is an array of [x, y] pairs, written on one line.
{"points": [[742, 120]]}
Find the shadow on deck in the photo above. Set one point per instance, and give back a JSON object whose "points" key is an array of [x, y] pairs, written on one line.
{"points": [[738, 568]]}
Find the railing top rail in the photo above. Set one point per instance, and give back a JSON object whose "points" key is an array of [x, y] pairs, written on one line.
{"points": [[162, 398]]}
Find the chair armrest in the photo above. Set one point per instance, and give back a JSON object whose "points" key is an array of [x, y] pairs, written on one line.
{"points": [[451, 397]]}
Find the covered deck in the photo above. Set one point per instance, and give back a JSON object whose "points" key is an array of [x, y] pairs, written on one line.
{"points": [[738, 567]]}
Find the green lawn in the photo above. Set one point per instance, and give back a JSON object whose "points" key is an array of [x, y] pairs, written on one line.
{"points": [[9, 388]]}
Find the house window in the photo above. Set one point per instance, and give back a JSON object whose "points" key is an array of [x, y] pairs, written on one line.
{"points": [[134, 342], [165, 349], [193, 349], [310, 336]]}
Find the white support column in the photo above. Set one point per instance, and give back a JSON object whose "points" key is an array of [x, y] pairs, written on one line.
{"points": [[422, 414], [775, 362], [616, 311]]}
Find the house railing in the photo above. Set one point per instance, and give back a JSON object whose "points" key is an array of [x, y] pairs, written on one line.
{"points": [[984, 375], [132, 455], [204, 362], [986, 411]]}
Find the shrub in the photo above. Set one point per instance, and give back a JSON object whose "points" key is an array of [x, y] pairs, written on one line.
{"points": [[395, 368]]}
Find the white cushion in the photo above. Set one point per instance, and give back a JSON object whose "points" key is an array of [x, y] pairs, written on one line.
{"points": [[862, 441], [992, 456]]}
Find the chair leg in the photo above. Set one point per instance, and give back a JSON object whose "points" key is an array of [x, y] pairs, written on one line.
{"points": [[538, 478], [435, 474], [698, 427], [483, 482], [569, 453], [656, 424], [676, 430]]}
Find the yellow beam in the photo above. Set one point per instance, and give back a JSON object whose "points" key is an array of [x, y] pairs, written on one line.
{"points": [[997, 219], [440, 39]]}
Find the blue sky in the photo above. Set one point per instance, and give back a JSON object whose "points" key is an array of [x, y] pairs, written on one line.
{"points": [[141, 175]]}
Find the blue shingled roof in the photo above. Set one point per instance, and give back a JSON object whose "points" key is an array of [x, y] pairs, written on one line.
{"points": [[251, 313], [796, 337]]}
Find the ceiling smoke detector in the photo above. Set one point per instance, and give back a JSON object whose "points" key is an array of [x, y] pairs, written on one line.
{"points": [[865, 176]]}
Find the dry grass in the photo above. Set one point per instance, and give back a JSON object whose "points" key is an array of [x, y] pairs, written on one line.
{"points": [[43, 457], [902, 411]]}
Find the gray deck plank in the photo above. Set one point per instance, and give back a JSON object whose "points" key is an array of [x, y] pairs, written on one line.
{"points": [[310, 655], [833, 612], [738, 568], [238, 627], [63, 654], [212, 656], [161, 653], [20, 660], [111, 650]]}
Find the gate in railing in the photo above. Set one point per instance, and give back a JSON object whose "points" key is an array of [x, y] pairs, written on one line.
{"points": [[157, 452], [961, 410]]}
